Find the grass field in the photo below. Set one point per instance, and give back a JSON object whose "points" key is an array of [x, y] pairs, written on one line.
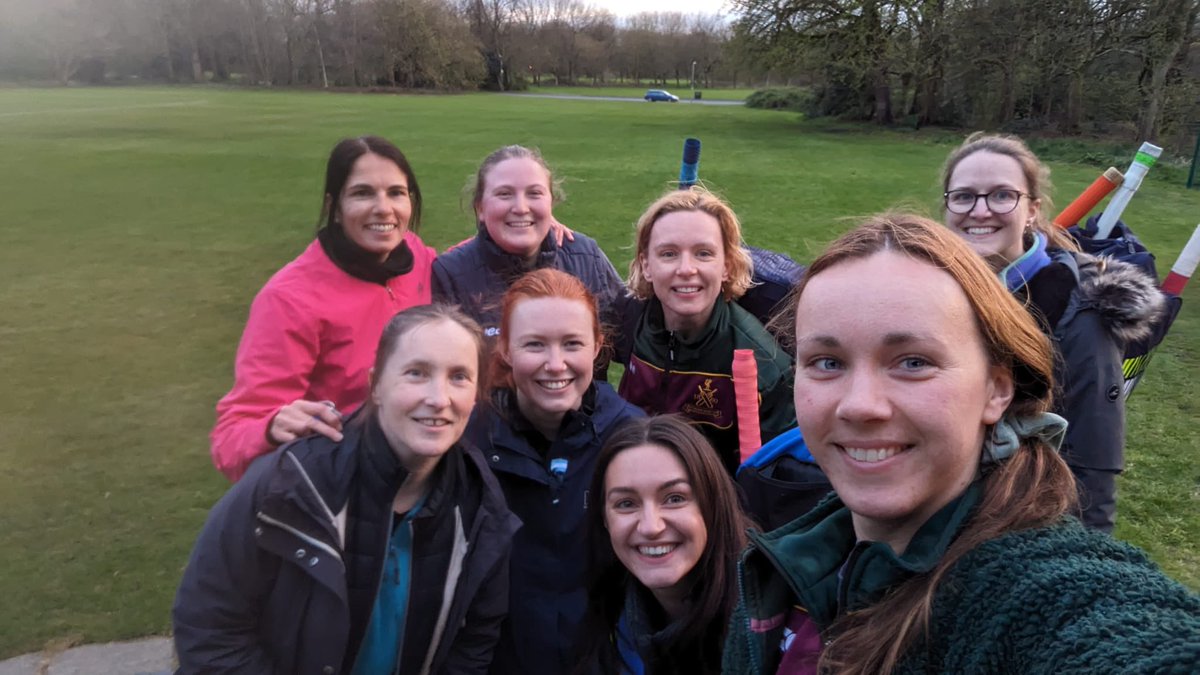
{"points": [[684, 92], [139, 223]]}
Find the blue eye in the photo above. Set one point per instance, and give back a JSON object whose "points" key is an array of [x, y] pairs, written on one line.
{"points": [[825, 363]]}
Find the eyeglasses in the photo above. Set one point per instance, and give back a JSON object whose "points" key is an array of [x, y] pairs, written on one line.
{"points": [[998, 202]]}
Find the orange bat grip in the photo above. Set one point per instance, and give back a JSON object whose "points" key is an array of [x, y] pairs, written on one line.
{"points": [[1084, 203]]}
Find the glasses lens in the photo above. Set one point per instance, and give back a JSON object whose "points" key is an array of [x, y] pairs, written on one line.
{"points": [[960, 201], [1003, 201]]}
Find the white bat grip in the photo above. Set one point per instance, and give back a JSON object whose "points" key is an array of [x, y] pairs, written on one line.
{"points": [[1188, 260], [1133, 180]]}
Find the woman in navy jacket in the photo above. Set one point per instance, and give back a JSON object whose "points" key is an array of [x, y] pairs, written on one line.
{"points": [[513, 199], [997, 199], [541, 434], [384, 552]]}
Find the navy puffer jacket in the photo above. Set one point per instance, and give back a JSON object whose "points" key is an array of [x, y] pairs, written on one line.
{"points": [[550, 551]]}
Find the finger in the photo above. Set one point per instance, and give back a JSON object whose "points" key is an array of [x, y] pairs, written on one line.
{"points": [[327, 416], [318, 427]]}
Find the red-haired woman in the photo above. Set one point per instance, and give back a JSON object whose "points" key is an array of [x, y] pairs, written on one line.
{"points": [[541, 435], [923, 390]]}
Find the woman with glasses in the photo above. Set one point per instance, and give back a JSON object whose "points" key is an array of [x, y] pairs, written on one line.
{"points": [[996, 198]]}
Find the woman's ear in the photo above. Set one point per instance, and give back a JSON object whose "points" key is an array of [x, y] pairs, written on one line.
{"points": [[1000, 393]]}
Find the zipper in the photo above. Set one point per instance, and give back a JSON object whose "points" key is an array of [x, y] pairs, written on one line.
{"points": [[741, 586], [663, 383], [302, 536]]}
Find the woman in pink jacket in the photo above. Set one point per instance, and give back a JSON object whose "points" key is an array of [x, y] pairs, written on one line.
{"points": [[310, 338]]}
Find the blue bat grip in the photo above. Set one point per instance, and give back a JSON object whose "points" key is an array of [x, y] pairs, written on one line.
{"points": [[689, 170]]}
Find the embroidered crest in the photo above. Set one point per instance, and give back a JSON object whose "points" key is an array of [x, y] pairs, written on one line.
{"points": [[706, 395]]}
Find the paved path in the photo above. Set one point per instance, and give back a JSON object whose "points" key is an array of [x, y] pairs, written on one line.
{"points": [[148, 656], [576, 97]]}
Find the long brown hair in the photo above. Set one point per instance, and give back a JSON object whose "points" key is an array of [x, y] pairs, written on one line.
{"points": [[341, 163], [714, 591], [1037, 176], [1031, 489]]}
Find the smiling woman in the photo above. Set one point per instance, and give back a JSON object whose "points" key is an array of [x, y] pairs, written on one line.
{"points": [[996, 199], [307, 346], [664, 542], [690, 267], [542, 433], [922, 389], [317, 558], [513, 197]]}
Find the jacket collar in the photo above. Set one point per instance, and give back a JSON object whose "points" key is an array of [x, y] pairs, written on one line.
{"points": [[654, 323], [818, 559], [510, 266], [509, 425]]}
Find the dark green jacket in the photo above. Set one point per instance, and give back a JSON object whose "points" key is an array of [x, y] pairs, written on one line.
{"points": [[1058, 599], [666, 374]]}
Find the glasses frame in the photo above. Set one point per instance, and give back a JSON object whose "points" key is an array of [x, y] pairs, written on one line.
{"points": [[986, 196]]}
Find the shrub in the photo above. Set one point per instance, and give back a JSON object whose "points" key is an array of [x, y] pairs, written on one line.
{"points": [[794, 99]]}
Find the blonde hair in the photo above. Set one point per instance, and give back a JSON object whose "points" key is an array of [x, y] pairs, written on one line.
{"points": [[695, 198]]}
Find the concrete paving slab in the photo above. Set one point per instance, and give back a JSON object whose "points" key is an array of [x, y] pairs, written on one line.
{"points": [[149, 656], [21, 665]]}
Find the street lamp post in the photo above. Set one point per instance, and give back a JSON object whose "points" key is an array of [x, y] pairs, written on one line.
{"points": [[693, 79]]}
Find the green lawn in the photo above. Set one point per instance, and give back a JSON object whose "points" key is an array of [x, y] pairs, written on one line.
{"points": [[140, 222], [684, 92]]}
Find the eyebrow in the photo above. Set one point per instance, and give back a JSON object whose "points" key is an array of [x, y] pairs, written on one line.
{"points": [[891, 339], [667, 485]]}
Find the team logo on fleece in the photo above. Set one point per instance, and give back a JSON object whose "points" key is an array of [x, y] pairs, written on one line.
{"points": [[706, 398]]}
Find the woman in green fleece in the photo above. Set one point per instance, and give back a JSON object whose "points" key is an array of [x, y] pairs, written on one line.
{"points": [[922, 389]]}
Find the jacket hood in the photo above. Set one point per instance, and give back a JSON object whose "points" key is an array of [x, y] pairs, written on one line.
{"points": [[1126, 297]]}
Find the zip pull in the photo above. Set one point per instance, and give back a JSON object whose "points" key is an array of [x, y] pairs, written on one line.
{"points": [[558, 472]]}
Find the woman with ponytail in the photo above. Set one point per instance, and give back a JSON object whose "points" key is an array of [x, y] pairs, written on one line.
{"points": [[310, 338], [923, 390], [996, 196]]}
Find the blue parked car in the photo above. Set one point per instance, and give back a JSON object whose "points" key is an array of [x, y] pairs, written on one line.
{"points": [[653, 95]]}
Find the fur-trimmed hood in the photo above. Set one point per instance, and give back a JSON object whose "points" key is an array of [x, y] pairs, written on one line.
{"points": [[1125, 296]]}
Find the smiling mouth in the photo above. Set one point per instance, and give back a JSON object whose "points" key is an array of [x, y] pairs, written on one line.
{"points": [[872, 455], [520, 224], [381, 227], [656, 551], [432, 422], [554, 385], [686, 290], [980, 230]]}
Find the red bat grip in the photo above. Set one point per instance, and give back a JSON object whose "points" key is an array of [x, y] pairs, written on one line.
{"points": [[745, 394]]}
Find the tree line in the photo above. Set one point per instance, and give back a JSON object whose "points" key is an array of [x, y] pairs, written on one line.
{"points": [[440, 44], [1068, 65]]}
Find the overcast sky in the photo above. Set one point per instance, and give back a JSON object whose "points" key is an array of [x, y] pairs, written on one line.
{"points": [[627, 7]]}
